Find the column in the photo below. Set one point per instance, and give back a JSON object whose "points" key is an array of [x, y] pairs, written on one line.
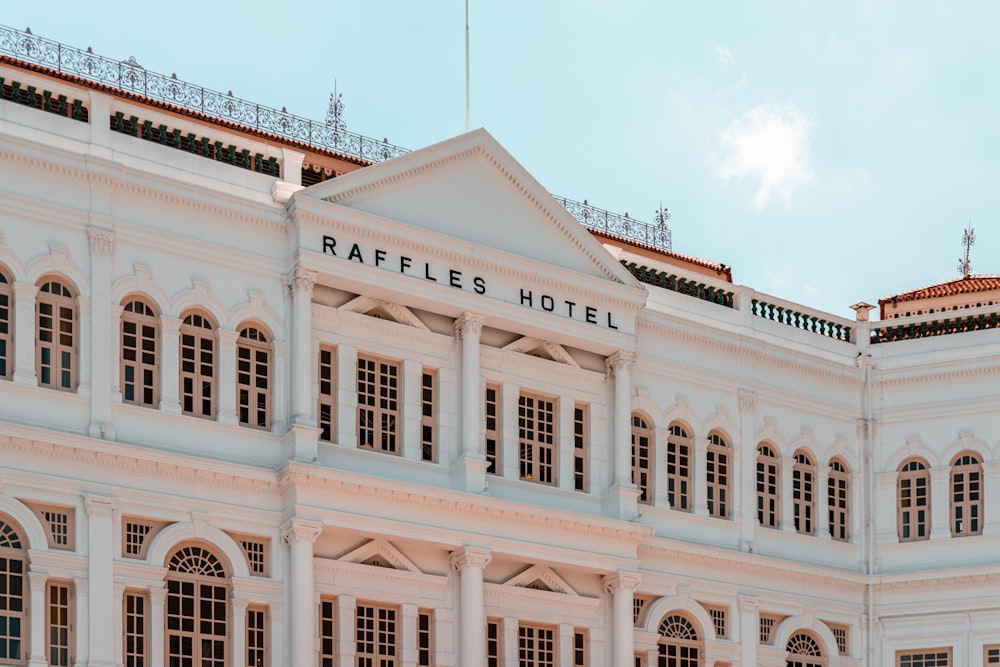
{"points": [[225, 384], [564, 644], [300, 286], [749, 629], [566, 449], [238, 633], [509, 638], [24, 333], [276, 628], [100, 571], [81, 590], [744, 499], [104, 367], [470, 469], [85, 362], [822, 497], [300, 534], [347, 395], [347, 609], [408, 635], [787, 519], [940, 506], [699, 465], [623, 496], [470, 563], [170, 335], [157, 596], [412, 410], [36, 610], [119, 610], [621, 585]]}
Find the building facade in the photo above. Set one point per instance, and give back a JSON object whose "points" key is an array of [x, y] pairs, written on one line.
{"points": [[265, 403]]}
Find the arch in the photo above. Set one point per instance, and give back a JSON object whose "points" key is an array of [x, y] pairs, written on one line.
{"points": [[198, 624], [769, 432], [12, 265], [767, 467], [256, 311], [171, 537], [681, 412], [663, 607], [642, 403], [140, 286], [804, 478], [199, 299], [58, 264], [966, 493], [840, 450], [809, 624], [964, 445], [914, 448], [724, 425], [29, 525], [680, 466], [804, 442]]}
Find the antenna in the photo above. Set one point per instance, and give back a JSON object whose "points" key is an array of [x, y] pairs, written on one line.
{"points": [[968, 240], [466, 65]]}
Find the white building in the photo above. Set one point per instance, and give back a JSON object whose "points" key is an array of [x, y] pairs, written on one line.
{"points": [[416, 414]]}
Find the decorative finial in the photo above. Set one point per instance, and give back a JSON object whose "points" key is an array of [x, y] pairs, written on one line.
{"points": [[661, 216], [968, 240], [335, 112]]}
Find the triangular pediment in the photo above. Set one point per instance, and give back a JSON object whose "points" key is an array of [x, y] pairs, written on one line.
{"points": [[470, 188], [384, 310], [540, 577], [542, 349], [380, 553]]}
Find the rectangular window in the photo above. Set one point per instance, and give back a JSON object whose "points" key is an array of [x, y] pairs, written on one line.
{"points": [[139, 343], [134, 627], [536, 424], [717, 476], [59, 623], [425, 638], [327, 633], [492, 412], [327, 409], [580, 648], [991, 655], [938, 657], [5, 327], [256, 637], [718, 615], [428, 415], [376, 636], [840, 633], [536, 646], [580, 467], [378, 405], [494, 643], [767, 625]]}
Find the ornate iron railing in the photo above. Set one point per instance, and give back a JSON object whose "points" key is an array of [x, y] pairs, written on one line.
{"points": [[130, 76], [657, 235], [799, 320], [675, 283]]}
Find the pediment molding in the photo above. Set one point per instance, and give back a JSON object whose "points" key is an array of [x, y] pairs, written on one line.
{"points": [[366, 305], [541, 348], [384, 552], [544, 574]]}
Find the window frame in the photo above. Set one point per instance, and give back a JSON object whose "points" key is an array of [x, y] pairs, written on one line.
{"points": [[838, 500], [913, 496], [643, 445], [7, 312], [538, 438], [385, 649], [688, 651], [258, 630], [800, 659], [768, 489], [254, 367], [327, 385], [537, 645], [59, 622], [966, 483], [804, 493], [718, 473], [679, 467], [383, 423], [145, 364], [136, 614], [218, 600], [327, 629], [63, 357], [11, 532], [581, 447], [493, 435], [199, 336], [926, 657], [429, 414]]}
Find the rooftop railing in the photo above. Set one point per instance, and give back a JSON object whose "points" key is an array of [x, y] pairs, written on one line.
{"points": [[131, 77]]}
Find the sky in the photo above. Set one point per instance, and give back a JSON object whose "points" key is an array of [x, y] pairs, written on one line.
{"points": [[829, 153]]}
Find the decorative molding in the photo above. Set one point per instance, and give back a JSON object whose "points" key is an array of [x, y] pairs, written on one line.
{"points": [[546, 575], [102, 242], [469, 324], [619, 362], [622, 580], [746, 400], [383, 548], [547, 350], [364, 305], [298, 530], [471, 557], [301, 281], [99, 505]]}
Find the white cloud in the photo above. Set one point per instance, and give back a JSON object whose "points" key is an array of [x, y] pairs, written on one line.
{"points": [[724, 55], [769, 142]]}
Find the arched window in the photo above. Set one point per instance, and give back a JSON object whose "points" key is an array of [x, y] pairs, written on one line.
{"points": [[197, 609], [804, 492], [140, 348], [768, 507], [642, 442], [838, 501], [966, 495], [55, 356], [717, 476], [253, 377], [679, 468], [913, 503], [13, 600], [804, 651], [679, 645], [198, 360], [6, 327]]}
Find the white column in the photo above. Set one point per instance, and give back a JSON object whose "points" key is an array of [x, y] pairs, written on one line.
{"points": [[509, 464], [699, 448], [509, 639], [226, 382], [411, 410], [119, 612], [238, 635], [347, 395], [940, 506], [276, 625], [81, 590], [157, 649], [566, 450], [101, 247], [347, 609], [170, 369], [300, 534], [749, 629], [470, 563], [85, 363], [624, 496], [116, 351], [621, 586], [100, 571], [564, 644], [822, 498], [24, 333], [408, 635], [36, 609], [743, 498], [787, 519], [469, 328], [300, 285]]}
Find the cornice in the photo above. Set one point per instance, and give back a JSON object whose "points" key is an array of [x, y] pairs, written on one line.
{"points": [[982, 579], [48, 561], [936, 376]]}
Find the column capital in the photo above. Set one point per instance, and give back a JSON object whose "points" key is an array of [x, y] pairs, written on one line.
{"points": [[102, 241], [120, 593], [298, 530], [99, 505], [36, 580], [301, 281], [746, 400], [620, 362], [622, 581], [157, 595], [469, 324], [471, 557], [240, 605]]}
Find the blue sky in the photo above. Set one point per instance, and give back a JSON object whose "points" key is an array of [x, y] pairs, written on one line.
{"points": [[829, 152]]}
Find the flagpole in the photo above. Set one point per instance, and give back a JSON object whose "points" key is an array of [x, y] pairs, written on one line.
{"points": [[466, 65]]}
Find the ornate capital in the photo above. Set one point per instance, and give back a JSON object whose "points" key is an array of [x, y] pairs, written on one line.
{"points": [[746, 400], [301, 281], [471, 557], [469, 324], [99, 506], [102, 241], [620, 362], [622, 581], [297, 530]]}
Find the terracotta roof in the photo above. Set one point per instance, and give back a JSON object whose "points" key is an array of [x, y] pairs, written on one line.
{"points": [[970, 285], [723, 270]]}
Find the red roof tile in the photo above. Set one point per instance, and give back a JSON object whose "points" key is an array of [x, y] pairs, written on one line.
{"points": [[970, 285]]}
